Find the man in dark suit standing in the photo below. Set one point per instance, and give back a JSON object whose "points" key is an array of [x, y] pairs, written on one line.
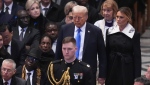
{"points": [[52, 11], [15, 48], [91, 41], [23, 32], [8, 69]]}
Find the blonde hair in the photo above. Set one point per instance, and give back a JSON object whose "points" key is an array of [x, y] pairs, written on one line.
{"points": [[110, 4], [29, 3], [127, 12], [68, 7]]}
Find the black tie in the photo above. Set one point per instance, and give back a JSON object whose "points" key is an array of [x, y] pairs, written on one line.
{"points": [[21, 34], [28, 80], [6, 46], [7, 8], [46, 10], [6, 83]]}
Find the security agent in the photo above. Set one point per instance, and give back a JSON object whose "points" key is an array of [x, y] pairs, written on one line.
{"points": [[69, 71]]}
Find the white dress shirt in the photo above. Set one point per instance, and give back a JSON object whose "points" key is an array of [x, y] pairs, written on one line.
{"points": [[10, 8], [31, 76], [42, 9], [9, 81], [20, 30], [82, 33], [9, 48], [54, 46]]}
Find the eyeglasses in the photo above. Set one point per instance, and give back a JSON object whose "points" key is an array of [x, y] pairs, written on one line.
{"points": [[7, 70]]}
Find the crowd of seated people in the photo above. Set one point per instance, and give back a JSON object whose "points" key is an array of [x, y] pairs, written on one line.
{"points": [[33, 43]]}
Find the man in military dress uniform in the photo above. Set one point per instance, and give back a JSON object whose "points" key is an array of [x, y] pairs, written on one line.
{"points": [[69, 71]]}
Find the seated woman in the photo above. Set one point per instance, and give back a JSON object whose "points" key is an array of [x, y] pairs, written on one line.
{"points": [[37, 20], [47, 54]]}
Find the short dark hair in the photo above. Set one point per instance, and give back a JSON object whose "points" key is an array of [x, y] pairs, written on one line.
{"points": [[4, 27], [69, 39], [45, 35], [51, 23], [143, 80]]}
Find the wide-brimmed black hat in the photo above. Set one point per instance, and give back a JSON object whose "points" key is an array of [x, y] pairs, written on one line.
{"points": [[35, 53]]}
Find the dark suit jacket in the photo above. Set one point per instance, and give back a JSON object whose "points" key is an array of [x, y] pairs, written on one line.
{"points": [[6, 18], [17, 52], [31, 37], [55, 13], [34, 78], [15, 81], [93, 45]]}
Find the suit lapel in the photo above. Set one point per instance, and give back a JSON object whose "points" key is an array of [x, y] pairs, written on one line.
{"points": [[86, 37], [27, 33], [13, 81], [16, 33], [14, 49], [14, 8], [34, 78], [70, 31]]}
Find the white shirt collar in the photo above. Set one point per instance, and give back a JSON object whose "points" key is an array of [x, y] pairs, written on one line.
{"points": [[42, 7], [82, 28], [29, 71], [21, 28], [128, 30], [10, 6], [9, 81], [9, 43]]}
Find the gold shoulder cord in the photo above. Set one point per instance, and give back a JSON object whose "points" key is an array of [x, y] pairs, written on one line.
{"points": [[65, 79]]}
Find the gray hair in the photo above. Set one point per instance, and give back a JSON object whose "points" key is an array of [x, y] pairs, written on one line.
{"points": [[10, 61], [79, 8]]}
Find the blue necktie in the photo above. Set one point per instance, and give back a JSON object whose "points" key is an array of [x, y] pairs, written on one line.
{"points": [[78, 40]]}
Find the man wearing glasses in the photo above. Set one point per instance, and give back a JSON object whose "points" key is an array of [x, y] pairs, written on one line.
{"points": [[8, 69], [30, 70]]}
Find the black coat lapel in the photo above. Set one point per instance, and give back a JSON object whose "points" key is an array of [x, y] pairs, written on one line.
{"points": [[34, 78], [13, 81], [16, 33], [86, 37], [27, 33]]}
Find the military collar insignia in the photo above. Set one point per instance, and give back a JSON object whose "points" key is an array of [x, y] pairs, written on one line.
{"points": [[128, 30]]}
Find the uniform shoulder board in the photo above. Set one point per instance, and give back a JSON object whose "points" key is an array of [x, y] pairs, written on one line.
{"points": [[84, 64], [56, 61]]}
